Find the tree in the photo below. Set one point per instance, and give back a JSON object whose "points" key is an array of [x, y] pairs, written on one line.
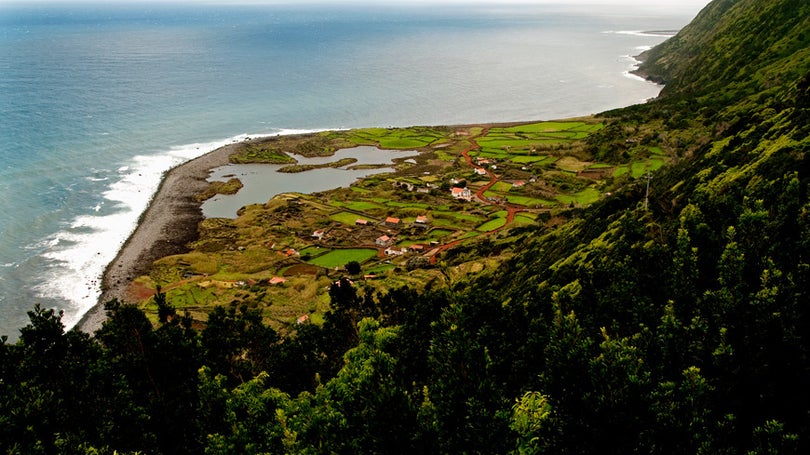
{"points": [[532, 417], [353, 268]]}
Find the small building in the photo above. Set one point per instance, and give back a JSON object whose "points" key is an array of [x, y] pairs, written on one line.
{"points": [[303, 319], [277, 280], [361, 222], [480, 171], [393, 221], [395, 251], [416, 248], [461, 193], [319, 234], [421, 219], [518, 184], [404, 185], [290, 252], [384, 240]]}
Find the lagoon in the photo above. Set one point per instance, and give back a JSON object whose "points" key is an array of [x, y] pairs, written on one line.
{"points": [[263, 181]]}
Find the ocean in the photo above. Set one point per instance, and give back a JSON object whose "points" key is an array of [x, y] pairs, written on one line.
{"points": [[98, 101]]}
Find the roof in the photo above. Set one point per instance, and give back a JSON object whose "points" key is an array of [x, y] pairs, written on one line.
{"points": [[392, 220]]}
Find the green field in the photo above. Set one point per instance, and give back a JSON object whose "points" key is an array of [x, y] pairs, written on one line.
{"points": [[398, 138], [439, 233], [501, 187], [529, 201], [460, 216], [360, 206], [523, 220], [408, 205], [345, 217], [534, 159], [585, 197], [339, 258], [637, 169], [491, 225]]}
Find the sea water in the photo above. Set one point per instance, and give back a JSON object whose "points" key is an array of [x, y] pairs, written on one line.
{"points": [[96, 102]]}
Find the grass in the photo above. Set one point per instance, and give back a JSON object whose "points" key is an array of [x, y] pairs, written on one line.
{"points": [[491, 225], [534, 159], [585, 197], [501, 187], [360, 206], [529, 201], [638, 169], [459, 216], [439, 233], [345, 217], [524, 220], [397, 138], [408, 205], [339, 258]]}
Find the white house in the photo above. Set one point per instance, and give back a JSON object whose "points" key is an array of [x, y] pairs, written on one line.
{"points": [[461, 193]]}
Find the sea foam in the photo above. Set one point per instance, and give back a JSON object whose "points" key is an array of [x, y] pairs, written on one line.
{"points": [[78, 254]]}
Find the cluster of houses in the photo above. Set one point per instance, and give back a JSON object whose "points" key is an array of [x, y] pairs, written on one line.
{"points": [[407, 186]]}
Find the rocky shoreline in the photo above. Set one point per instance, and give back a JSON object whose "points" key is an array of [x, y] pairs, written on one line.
{"points": [[165, 228]]}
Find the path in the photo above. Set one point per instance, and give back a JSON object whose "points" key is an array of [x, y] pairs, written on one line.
{"points": [[511, 210]]}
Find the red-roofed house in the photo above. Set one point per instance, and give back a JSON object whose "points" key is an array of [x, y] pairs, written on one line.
{"points": [[384, 240], [461, 193], [392, 221]]}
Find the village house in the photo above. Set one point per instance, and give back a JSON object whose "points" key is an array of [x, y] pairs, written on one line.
{"points": [[319, 234], [404, 185], [361, 222], [480, 171], [289, 252], [384, 240], [416, 248], [461, 193], [303, 319], [518, 184], [277, 280], [421, 220], [395, 251], [393, 222]]}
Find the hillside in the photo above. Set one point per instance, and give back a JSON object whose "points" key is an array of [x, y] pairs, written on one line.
{"points": [[669, 317]]}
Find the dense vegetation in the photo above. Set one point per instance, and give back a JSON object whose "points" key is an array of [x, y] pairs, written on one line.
{"points": [[675, 325]]}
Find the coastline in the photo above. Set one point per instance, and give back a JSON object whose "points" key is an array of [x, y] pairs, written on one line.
{"points": [[167, 225]]}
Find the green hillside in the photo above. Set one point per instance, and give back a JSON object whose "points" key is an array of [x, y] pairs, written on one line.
{"points": [[671, 317]]}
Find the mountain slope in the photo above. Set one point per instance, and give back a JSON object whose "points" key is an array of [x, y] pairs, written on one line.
{"points": [[734, 48]]}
